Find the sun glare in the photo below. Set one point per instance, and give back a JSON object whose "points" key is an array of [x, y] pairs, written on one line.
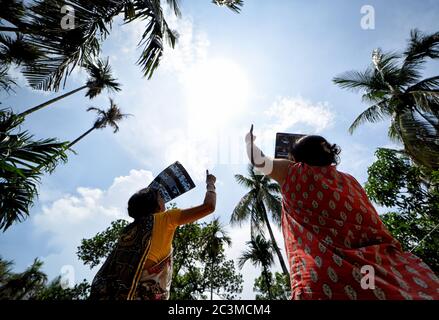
{"points": [[217, 92]]}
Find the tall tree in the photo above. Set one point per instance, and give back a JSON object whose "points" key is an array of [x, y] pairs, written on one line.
{"points": [[100, 78], [25, 285], [413, 217], [21, 159], [32, 285], [395, 87], [255, 205], [280, 287], [65, 48], [109, 117], [260, 253], [54, 291], [214, 238]]}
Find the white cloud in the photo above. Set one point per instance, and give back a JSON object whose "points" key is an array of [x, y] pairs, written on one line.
{"points": [[191, 47], [288, 112], [67, 220]]}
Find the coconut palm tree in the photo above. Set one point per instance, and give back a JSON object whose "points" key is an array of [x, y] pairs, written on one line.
{"points": [[5, 270], [20, 157], [100, 78], [255, 205], [68, 48], [395, 87], [25, 285], [260, 253], [214, 238], [64, 49], [109, 117]]}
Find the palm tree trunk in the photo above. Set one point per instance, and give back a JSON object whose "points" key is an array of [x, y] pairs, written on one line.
{"points": [[42, 105], [434, 125], [211, 281], [67, 147], [80, 137], [273, 240]]}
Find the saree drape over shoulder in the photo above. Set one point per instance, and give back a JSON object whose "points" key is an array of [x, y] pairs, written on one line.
{"points": [[332, 231], [124, 276]]}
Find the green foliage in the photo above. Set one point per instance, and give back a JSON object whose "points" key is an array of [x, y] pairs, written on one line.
{"points": [[100, 77], [280, 287], [54, 291], [394, 86], [395, 183], [260, 253], [24, 285], [22, 161], [93, 251], [234, 5], [32, 285], [53, 51], [200, 265]]}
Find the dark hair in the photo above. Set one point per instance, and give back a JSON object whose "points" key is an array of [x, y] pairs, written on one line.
{"points": [[143, 203], [315, 151]]}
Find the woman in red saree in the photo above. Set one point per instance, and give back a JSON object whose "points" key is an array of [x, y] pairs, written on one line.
{"points": [[336, 244]]}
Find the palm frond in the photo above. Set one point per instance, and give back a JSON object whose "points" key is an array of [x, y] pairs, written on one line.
{"points": [[259, 253], [100, 78], [242, 210], [430, 84], [234, 5], [156, 31], [361, 81], [17, 50], [420, 140], [427, 101], [421, 46], [12, 11], [64, 49], [372, 114], [273, 187], [20, 163], [109, 117], [246, 182], [175, 6]]}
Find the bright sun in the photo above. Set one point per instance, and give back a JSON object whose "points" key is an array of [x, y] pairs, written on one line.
{"points": [[217, 92]]}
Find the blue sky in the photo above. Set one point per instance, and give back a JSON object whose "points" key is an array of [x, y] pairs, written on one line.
{"points": [[271, 65]]}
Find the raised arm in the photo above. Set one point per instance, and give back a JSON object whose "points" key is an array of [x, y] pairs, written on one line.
{"points": [[208, 206], [276, 169]]}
